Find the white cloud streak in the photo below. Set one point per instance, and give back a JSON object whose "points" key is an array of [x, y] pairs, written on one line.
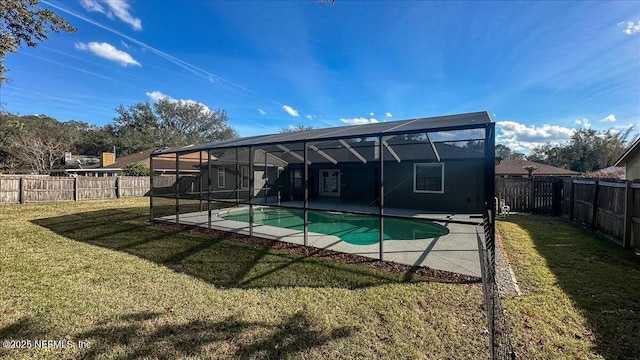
{"points": [[388, 115], [262, 112], [117, 8], [92, 6], [181, 63], [109, 52], [291, 111], [609, 118], [359, 121], [310, 117]]}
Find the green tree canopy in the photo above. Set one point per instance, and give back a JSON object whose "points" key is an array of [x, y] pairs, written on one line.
{"points": [[299, 127], [169, 123], [587, 150], [22, 21], [504, 152]]}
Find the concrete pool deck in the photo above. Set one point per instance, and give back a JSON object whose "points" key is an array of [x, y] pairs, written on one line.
{"points": [[455, 252]]}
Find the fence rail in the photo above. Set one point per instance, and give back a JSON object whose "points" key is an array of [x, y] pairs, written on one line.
{"points": [[39, 189], [611, 208]]}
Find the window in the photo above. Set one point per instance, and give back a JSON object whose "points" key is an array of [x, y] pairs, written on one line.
{"points": [[428, 178], [220, 177], [297, 178], [244, 174]]}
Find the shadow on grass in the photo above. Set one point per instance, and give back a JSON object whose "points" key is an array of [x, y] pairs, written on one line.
{"points": [[224, 263], [601, 278], [146, 334]]}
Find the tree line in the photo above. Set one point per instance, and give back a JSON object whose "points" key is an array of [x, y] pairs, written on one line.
{"points": [[587, 150], [37, 143]]}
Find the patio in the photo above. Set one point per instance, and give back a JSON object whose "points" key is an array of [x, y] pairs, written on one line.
{"points": [[455, 252]]}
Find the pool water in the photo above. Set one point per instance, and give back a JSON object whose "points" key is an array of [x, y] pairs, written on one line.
{"points": [[352, 228]]}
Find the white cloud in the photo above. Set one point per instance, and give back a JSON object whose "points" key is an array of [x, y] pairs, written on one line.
{"points": [[583, 122], [388, 115], [310, 117], [117, 8], [92, 5], [610, 118], [157, 96], [262, 112], [109, 52], [371, 114], [632, 28], [359, 121], [291, 111], [522, 137], [125, 44]]}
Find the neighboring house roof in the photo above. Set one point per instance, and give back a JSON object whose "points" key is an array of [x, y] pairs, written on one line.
{"points": [[633, 150], [165, 163], [516, 168]]}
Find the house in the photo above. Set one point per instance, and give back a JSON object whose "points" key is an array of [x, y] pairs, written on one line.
{"points": [[349, 171], [631, 161], [109, 165], [517, 169]]}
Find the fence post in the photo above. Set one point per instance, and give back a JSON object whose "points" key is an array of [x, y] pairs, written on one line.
{"points": [[558, 195], [21, 184], [75, 189], [531, 196], [118, 195], [594, 209], [628, 216], [572, 201]]}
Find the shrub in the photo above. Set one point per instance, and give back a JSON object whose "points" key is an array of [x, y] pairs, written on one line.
{"points": [[135, 169]]}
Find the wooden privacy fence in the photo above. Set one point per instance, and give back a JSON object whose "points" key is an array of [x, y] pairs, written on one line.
{"points": [[30, 189], [537, 195], [608, 207]]}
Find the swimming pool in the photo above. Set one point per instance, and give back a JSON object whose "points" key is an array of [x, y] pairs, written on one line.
{"points": [[352, 228]]}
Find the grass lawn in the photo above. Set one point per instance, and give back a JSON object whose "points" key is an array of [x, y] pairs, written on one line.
{"points": [[95, 271], [581, 292]]}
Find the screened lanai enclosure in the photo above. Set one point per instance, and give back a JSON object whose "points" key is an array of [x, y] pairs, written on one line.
{"points": [[415, 192]]}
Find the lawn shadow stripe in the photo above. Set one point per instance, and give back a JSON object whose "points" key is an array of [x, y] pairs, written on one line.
{"points": [[145, 335], [222, 262]]}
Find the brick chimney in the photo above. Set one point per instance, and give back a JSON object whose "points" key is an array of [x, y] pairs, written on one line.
{"points": [[107, 158]]}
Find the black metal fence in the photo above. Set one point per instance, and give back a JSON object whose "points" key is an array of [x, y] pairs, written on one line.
{"points": [[499, 342]]}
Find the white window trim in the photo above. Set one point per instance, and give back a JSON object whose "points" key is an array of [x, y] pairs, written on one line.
{"points": [[221, 172], [415, 190]]}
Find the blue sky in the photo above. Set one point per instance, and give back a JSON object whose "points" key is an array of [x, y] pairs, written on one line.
{"points": [[541, 68]]}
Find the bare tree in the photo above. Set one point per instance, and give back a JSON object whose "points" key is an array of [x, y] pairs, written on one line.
{"points": [[39, 143]]}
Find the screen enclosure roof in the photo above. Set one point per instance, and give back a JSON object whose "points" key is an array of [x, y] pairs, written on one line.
{"points": [[473, 120]]}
